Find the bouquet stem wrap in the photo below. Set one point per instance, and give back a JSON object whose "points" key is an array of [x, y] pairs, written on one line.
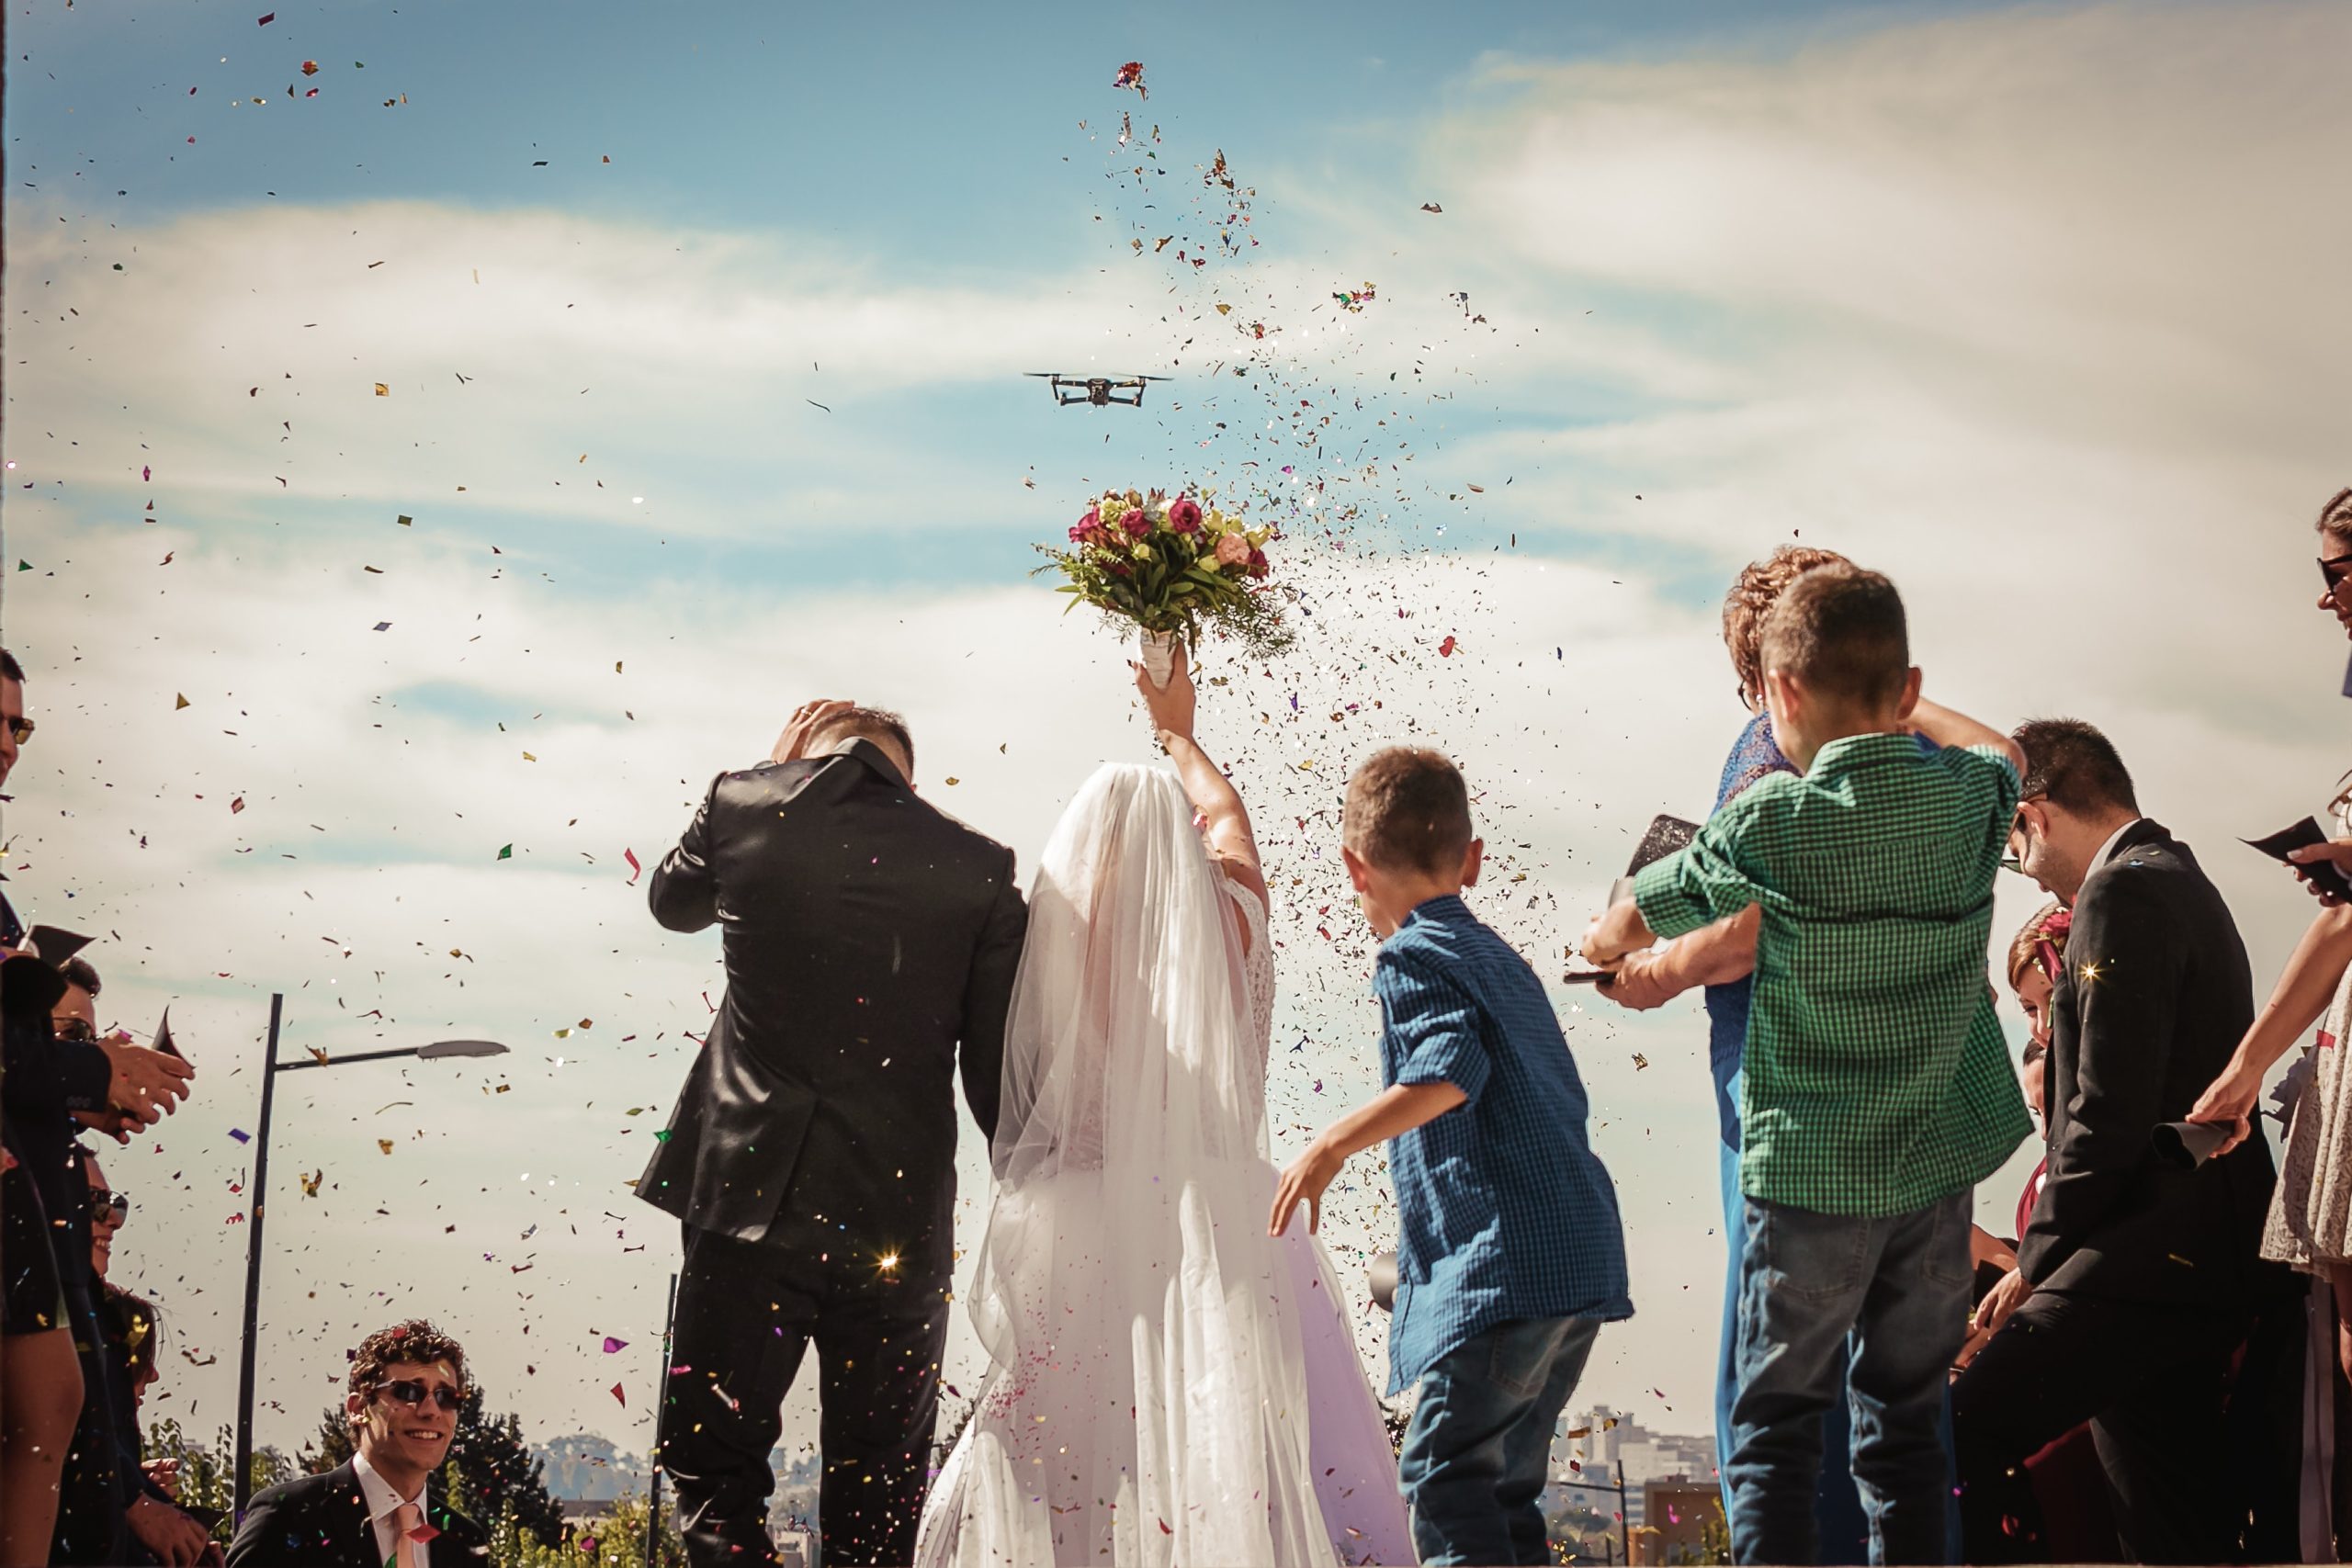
{"points": [[1159, 656]]}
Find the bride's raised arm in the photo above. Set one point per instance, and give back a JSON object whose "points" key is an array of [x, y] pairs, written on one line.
{"points": [[1231, 844]]}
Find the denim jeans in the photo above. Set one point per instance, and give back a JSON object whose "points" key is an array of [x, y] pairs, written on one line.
{"points": [[1479, 1447], [1887, 1297], [1843, 1530]]}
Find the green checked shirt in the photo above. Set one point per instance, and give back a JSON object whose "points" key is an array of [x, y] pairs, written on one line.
{"points": [[1875, 1079]]}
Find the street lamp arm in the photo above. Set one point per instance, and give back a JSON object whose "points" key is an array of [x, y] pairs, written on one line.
{"points": [[339, 1061]]}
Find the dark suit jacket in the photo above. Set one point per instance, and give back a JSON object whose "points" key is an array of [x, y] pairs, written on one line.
{"points": [[2156, 995], [867, 934], [321, 1521]]}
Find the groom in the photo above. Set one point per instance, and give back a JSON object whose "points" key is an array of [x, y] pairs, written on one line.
{"points": [[812, 1154]]}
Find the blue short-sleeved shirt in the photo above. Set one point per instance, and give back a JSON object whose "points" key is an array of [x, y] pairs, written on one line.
{"points": [[1505, 1210]]}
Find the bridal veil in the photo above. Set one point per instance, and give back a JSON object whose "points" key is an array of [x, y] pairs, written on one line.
{"points": [[1146, 1403]]}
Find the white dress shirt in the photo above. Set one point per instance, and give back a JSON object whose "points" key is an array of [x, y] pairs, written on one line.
{"points": [[383, 1506]]}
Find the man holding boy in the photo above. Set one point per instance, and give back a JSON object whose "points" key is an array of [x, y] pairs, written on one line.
{"points": [[1877, 1088], [1510, 1255]]}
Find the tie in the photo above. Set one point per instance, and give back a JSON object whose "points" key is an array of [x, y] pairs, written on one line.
{"points": [[407, 1550]]}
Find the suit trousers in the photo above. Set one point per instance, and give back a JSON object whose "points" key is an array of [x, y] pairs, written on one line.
{"points": [[2153, 1380], [747, 1314]]}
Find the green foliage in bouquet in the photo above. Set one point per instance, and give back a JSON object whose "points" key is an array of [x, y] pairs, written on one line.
{"points": [[1173, 567]]}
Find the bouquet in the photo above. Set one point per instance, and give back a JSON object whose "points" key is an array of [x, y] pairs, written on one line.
{"points": [[1172, 567]]}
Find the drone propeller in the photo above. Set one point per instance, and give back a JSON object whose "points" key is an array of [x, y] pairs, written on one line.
{"points": [[1043, 374]]}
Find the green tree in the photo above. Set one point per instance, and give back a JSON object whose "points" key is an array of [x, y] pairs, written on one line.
{"points": [[205, 1472], [494, 1476], [333, 1446], [614, 1539]]}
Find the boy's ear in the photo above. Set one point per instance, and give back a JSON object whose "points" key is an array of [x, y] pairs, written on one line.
{"points": [[1473, 859], [1359, 873], [1781, 692], [1910, 693]]}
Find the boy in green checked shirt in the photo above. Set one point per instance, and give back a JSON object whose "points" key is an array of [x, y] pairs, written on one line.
{"points": [[1877, 1088]]}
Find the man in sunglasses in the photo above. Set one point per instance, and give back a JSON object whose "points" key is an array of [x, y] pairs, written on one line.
{"points": [[407, 1385]]}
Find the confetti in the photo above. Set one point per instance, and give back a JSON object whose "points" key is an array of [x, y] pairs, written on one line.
{"points": [[1131, 76], [634, 869], [309, 68], [506, 853], [267, 20], [180, 700], [240, 1135], [613, 1346], [1432, 206], [385, 1145], [617, 1395], [1445, 650]]}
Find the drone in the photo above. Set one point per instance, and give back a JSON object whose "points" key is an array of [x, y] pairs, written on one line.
{"points": [[1097, 391]]}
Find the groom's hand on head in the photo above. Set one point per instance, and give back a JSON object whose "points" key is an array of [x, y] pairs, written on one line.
{"points": [[806, 720]]}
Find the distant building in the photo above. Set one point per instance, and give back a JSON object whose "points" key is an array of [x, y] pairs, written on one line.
{"points": [[1679, 1512], [794, 1546], [1602, 1447]]}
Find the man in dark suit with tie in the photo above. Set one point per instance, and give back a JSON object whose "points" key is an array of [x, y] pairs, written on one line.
{"points": [[812, 1153], [407, 1385], [2136, 1281]]}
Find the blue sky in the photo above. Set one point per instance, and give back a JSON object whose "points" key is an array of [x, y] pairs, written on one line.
{"points": [[1962, 291]]}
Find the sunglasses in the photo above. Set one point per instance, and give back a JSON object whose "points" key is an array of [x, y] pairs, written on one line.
{"points": [[408, 1391], [22, 729], [2020, 828], [108, 1205], [2332, 570], [79, 1031]]}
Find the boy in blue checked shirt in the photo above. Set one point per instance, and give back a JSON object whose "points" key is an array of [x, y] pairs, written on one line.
{"points": [[1510, 1257], [1877, 1089]]}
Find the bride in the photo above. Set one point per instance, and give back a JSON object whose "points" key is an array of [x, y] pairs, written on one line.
{"points": [[1169, 1384]]}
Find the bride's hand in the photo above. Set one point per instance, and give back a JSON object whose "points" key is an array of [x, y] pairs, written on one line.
{"points": [[1171, 705]]}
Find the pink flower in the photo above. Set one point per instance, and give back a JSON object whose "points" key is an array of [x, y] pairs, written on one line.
{"points": [[1233, 550], [1136, 524], [1258, 567], [1185, 514]]}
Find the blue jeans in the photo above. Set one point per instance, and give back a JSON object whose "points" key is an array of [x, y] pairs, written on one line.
{"points": [[1477, 1452], [1887, 1298], [1844, 1530]]}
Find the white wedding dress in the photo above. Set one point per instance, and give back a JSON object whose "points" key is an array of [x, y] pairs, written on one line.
{"points": [[1169, 1385]]}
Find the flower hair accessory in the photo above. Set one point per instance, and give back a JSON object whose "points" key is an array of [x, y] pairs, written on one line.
{"points": [[2048, 949]]}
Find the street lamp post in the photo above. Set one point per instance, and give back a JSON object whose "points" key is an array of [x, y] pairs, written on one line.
{"points": [[255, 1206]]}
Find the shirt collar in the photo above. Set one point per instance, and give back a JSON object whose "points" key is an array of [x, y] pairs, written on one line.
{"points": [[2108, 848], [1438, 909], [873, 756], [1848, 752], [380, 1497]]}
